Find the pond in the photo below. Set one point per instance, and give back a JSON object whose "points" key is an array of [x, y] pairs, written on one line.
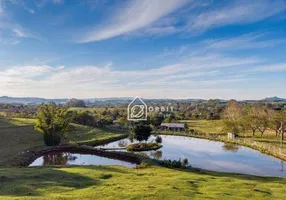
{"points": [[201, 153], [77, 159], [212, 155]]}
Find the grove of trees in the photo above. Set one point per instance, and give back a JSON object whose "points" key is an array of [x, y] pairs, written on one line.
{"points": [[255, 118]]}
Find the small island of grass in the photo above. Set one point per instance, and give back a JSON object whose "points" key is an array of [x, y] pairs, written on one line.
{"points": [[143, 146]]}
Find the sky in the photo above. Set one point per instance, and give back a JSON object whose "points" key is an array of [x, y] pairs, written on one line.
{"points": [[226, 49]]}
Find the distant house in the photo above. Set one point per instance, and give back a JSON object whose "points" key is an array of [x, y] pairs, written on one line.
{"points": [[173, 126], [231, 136]]}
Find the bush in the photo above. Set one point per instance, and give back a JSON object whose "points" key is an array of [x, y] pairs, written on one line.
{"points": [[158, 139], [142, 132], [175, 163], [143, 165], [143, 146], [54, 122]]}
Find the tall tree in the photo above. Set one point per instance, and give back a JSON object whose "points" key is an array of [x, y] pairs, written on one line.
{"points": [[233, 114], [53, 122]]}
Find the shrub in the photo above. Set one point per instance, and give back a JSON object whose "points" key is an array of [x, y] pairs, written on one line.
{"points": [[142, 131], [143, 165], [158, 139], [175, 163], [143, 146], [53, 122]]}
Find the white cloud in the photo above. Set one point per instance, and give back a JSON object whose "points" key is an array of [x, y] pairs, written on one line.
{"points": [[89, 81], [240, 12], [268, 68], [154, 18], [135, 15], [28, 71], [58, 1], [247, 41], [19, 33]]}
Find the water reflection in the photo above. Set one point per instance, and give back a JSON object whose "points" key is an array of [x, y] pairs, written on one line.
{"points": [[58, 158], [205, 154], [230, 147], [157, 154], [122, 143], [215, 156], [77, 159]]}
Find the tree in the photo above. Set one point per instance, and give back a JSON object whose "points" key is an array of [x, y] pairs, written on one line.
{"points": [[53, 122], [75, 103], [261, 114], [142, 131], [156, 119], [277, 118], [122, 121], [233, 115], [84, 118]]}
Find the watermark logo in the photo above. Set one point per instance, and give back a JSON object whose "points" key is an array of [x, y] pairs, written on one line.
{"points": [[137, 110]]}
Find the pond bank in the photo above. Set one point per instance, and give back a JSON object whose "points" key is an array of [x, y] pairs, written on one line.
{"points": [[26, 158]]}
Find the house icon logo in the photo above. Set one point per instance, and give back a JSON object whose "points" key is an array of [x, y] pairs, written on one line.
{"points": [[137, 110]]}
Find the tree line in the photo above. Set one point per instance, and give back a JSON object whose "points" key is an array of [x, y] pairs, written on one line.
{"points": [[255, 118]]}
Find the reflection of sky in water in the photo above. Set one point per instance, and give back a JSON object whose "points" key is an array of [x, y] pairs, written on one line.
{"points": [[87, 160], [210, 155], [201, 153]]}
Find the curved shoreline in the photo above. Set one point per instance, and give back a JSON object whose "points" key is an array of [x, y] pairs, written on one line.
{"points": [[27, 158], [251, 146]]}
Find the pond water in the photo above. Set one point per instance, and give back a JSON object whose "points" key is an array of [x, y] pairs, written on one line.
{"points": [[212, 155], [77, 159], [201, 153]]}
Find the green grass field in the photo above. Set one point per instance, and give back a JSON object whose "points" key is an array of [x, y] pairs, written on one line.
{"points": [[115, 182], [16, 138], [18, 134], [206, 126], [89, 134]]}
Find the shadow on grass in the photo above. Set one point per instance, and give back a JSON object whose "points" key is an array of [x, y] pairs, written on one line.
{"points": [[31, 181], [105, 168], [244, 177]]}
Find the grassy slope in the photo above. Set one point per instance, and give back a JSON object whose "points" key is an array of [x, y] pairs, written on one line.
{"points": [[114, 182], [88, 134], [18, 134], [14, 138], [206, 126]]}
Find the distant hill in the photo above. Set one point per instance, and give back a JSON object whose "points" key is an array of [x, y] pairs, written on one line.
{"points": [[273, 99], [29, 100], [113, 101]]}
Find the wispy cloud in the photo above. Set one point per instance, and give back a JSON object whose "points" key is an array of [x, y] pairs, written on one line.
{"points": [[239, 12], [247, 41], [268, 68], [133, 16], [20, 33], [88, 80], [58, 1]]}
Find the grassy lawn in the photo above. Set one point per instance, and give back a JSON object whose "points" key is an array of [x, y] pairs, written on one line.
{"points": [[18, 134], [23, 121], [17, 138], [89, 134], [206, 126], [115, 182]]}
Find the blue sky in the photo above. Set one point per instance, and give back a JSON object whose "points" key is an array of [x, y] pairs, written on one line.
{"points": [[148, 48]]}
